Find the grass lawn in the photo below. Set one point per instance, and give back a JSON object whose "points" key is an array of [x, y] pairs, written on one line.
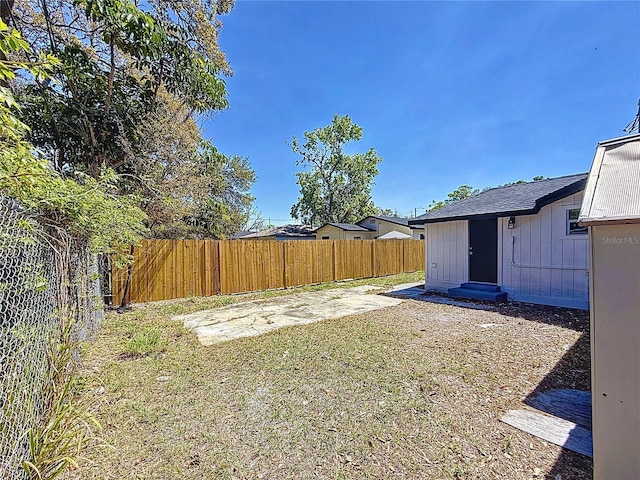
{"points": [[413, 391]]}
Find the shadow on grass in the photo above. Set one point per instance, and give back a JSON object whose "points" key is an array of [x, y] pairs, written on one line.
{"points": [[573, 371], [574, 319]]}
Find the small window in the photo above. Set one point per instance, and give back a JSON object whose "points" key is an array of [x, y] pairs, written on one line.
{"points": [[372, 221], [326, 237], [357, 238], [572, 223], [422, 236]]}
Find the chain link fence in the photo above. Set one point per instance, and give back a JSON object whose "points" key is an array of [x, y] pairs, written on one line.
{"points": [[43, 272]]}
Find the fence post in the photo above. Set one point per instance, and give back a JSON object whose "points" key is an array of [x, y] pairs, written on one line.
{"points": [[206, 270], [404, 258], [374, 272], [335, 260], [126, 294], [284, 261], [219, 251]]}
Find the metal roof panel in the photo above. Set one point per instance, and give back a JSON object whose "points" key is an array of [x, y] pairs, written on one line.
{"points": [[612, 194]]}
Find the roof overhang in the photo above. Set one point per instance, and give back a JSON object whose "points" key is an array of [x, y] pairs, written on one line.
{"points": [[612, 193], [541, 202], [382, 219], [360, 229]]}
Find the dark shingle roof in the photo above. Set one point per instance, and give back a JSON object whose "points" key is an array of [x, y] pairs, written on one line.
{"points": [[516, 199], [241, 234], [349, 227], [397, 220], [284, 231]]}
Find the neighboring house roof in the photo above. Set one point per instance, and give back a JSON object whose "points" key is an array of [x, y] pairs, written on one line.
{"points": [[397, 220], [517, 199], [241, 234], [612, 194], [348, 227], [284, 231], [394, 235]]}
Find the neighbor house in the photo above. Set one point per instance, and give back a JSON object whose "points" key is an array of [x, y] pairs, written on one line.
{"points": [[522, 241], [286, 232], [369, 228], [343, 231]]}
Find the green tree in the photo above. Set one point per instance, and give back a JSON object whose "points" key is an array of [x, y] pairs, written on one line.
{"points": [[189, 189], [385, 212], [115, 55], [337, 188], [81, 205], [225, 206], [460, 193], [130, 79]]}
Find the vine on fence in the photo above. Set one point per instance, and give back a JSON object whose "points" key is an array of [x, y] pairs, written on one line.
{"points": [[49, 226]]}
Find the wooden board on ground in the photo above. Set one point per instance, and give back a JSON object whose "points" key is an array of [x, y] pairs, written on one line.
{"points": [[552, 429], [566, 403]]}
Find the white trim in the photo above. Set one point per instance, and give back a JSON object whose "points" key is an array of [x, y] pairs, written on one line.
{"points": [[567, 221], [500, 245], [625, 139]]}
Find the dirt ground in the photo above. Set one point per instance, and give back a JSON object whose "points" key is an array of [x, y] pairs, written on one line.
{"points": [[413, 391]]}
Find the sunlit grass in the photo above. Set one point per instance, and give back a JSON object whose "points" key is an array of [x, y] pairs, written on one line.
{"points": [[413, 392]]}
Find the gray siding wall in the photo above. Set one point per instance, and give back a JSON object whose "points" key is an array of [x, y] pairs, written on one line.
{"points": [[447, 259], [541, 262]]}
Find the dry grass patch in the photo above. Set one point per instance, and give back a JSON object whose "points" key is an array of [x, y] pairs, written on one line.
{"points": [[414, 391]]}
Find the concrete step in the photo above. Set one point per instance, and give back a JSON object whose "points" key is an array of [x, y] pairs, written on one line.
{"points": [[487, 287], [475, 294]]}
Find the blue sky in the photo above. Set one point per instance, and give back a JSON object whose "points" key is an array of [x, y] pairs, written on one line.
{"points": [[448, 93]]}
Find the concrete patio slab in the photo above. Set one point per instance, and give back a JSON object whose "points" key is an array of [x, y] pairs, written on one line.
{"points": [[262, 316]]}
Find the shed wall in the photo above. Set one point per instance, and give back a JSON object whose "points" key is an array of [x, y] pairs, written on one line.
{"points": [[447, 259], [615, 350], [540, 262]]}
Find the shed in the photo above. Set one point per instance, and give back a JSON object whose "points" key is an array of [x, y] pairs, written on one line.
{"points": [[520, 240], [611, 211]]}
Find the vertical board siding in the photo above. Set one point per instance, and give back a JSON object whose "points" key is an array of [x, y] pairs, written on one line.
{"points": [[541, 262], [447, 245], [167, 269]]}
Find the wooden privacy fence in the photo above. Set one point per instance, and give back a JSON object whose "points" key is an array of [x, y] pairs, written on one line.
{"points": [[166, 269]]}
